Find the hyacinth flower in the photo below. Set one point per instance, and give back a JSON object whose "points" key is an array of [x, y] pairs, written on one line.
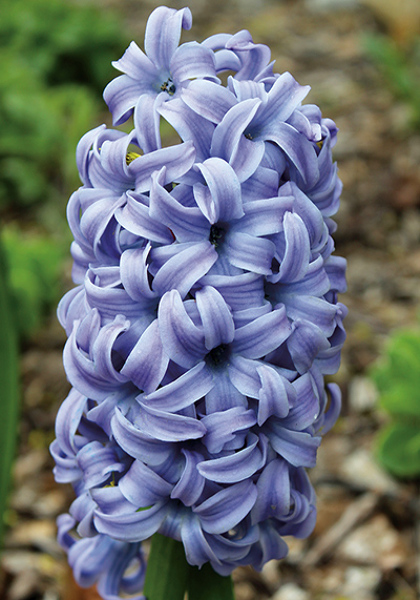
{"points": [[204, 317]]}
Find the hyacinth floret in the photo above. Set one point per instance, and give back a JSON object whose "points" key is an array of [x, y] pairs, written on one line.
{"points": [[205, 312]]}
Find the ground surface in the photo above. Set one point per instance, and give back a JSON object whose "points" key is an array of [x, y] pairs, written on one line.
{"points": [[364, 545]]}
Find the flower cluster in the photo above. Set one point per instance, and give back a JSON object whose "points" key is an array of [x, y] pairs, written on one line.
{"points": [[205, 314]]}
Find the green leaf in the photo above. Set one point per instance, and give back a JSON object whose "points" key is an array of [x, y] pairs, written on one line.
{"points": [[206, 584], [402, 400], [399, 449], [397, 375], [9, 399], [167, 570], [402, 359]]}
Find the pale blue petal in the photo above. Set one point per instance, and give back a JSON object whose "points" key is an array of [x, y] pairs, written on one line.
{"points": [[263, 335], [273, 487], [163, 32], [306, 408], [190, 484], [297, 148], [306, 341], [134, 275], [137, 444], [131, 527], [185, 268], [297, 255], [197, 549], [168, 427], [275, 395], [264, 183], [183, 391], [208, 99], [147, 362], [147, 122], [283, 98], [232, 127], [192, 60], [224, 188], [142, 486], [136, 64], [225, 509], [182, 340], [262, 217], [250, 253], [216, 317], [244, 375], [185, 223], [227, 428], [236, 466], [297, 447], [189, 125], [223, 395], [239, 291], [177, 159]]}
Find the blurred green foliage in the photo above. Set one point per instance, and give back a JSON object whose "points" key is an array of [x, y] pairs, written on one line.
{"points": [[55, 59], [63, 41], [397, 376], [34, 262], [9, 392], [400, 67]]}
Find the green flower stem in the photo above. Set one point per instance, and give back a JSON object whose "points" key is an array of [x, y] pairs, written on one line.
{"points": [[167, 570], [169, 576], [206, 584], [9, 396]]}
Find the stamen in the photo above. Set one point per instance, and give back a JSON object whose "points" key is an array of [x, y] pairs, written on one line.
{"points": [[130, 157], [218, 355], [168, 87], [216, 235]]}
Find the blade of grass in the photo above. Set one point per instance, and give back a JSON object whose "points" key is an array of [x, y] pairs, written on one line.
{"points": [[9, 390]]}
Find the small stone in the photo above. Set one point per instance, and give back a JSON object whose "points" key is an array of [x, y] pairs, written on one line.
{"points": [[361, 470], [26, 465], [363, 394], [50, 504], [327, 5], [296, 549], [290, 591], [244, 591], [271, 573], [38, 534], [360, 582], [375, 543], [25, 585]]}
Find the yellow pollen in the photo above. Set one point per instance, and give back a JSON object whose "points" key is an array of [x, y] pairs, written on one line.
{"points": [[112, 483], [130, 157]]}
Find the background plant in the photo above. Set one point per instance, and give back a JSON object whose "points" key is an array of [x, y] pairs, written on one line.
{"points": [[54, 57], [399, 65], [397, 377]]}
